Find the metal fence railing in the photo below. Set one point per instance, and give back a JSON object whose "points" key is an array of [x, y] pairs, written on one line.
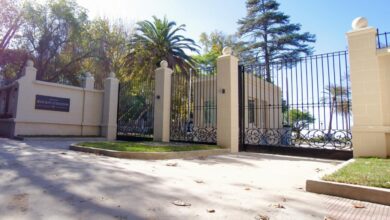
{"points": [[383, 39], [304, 103], [194, 106], [8, 97]]}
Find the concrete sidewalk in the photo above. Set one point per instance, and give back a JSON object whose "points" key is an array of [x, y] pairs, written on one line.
{"points": [[43, 180]]}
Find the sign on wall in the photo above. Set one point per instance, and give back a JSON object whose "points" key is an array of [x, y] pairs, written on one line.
{"points": [[52, 103]]}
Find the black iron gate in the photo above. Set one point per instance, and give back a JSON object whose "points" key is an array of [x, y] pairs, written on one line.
{"points": [[194, 107], [301, 104], [136, 109]]}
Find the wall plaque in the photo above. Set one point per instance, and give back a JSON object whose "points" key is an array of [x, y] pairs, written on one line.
{"points": [[52, 103]]}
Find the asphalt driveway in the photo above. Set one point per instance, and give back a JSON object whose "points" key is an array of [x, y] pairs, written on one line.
{"points": [[44, 180]]}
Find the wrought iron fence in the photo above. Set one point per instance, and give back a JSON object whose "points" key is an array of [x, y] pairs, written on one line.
{"points": [[8, 98], [194, 106], [136, 109], [301, 103], [383, 39]]}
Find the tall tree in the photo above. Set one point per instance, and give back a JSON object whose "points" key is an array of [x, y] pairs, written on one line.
{"points": [[10, 21], [12, 59], [270, 35], [160, 40], [53, 33], [109, 41]]}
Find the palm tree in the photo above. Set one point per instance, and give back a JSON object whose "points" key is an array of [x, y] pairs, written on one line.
{"points": [[339, 99], [159, 40], [153, 42]]}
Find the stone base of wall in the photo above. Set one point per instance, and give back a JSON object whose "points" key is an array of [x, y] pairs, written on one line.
{"points": [[47, 129]]}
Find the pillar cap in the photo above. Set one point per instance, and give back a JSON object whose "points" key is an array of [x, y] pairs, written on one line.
{"points": [[164, 64], [227, 51], [359, 23], [88, 75], [112, 75], [30, 63]]}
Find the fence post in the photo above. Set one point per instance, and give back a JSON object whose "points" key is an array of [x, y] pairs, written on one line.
{"points": [[162, 104], [110, 105], [227, 101], [369, 132]]}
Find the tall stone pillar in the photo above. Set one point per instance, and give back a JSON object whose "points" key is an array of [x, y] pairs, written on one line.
{"points": [[110, 107], [227, 101], [162, 104], [368, 92]]}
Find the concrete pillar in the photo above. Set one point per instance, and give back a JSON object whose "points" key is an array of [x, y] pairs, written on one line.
{"points": [[162, 104], [110, 107], [89, 81], [227, 101], [29, 75], [29, 72], [368, 92]]}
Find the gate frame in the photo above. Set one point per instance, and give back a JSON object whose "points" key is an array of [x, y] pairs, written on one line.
{"points": [[280, 149]]}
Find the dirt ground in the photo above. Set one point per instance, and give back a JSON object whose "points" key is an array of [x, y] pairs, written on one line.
{"points": [[44, 180]]}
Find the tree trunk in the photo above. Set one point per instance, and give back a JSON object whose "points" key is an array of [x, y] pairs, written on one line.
{"points": [[267, 66], [267, 59], [331, 116], [10, 33]]}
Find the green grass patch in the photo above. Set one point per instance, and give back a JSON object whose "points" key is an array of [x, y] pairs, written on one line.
{"points": [[364, 171], [146, 147]]}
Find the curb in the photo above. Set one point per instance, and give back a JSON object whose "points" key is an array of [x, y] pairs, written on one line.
{"points": [[350, 191], [19, 138], [150, 155]]}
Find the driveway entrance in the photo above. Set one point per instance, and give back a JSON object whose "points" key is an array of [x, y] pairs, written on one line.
{"points": [[43, 180]]}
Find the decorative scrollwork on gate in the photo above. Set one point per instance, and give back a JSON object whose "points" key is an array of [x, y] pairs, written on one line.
{"points": [[319, 139], [193, 134]]}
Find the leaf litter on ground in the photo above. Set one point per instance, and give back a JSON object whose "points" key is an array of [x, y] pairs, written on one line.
{"points": [[358, 205], [262, 217], [172, 164], [181, 203]]}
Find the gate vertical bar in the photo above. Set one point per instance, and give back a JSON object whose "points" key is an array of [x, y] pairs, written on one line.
{"points": [[241, 101]]}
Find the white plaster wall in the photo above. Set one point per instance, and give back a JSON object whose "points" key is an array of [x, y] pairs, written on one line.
{"points": [[85, 110], [84, 116], [255, 88]]}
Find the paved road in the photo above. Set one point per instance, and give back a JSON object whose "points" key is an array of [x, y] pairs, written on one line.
{"points": [[43, 180]]}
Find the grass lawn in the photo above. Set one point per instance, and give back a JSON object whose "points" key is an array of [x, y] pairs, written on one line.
{"points": [[364, 171], [146, 147]]}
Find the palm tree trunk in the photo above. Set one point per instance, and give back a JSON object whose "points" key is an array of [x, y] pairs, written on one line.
{"points": [[331, 116], [347, 120]]}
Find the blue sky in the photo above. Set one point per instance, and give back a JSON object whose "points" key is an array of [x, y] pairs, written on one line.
{"points": [[328, 19]]}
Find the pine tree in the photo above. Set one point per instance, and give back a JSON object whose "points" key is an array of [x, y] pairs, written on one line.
{"points": [[270, 35]]}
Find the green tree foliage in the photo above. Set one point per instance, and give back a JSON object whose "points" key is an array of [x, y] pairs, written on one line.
{"points": [[11, 20], [270, 35], [109, 43], [159, 40], [53, 34], [11, 59], [299, 120], [213, 45]]}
